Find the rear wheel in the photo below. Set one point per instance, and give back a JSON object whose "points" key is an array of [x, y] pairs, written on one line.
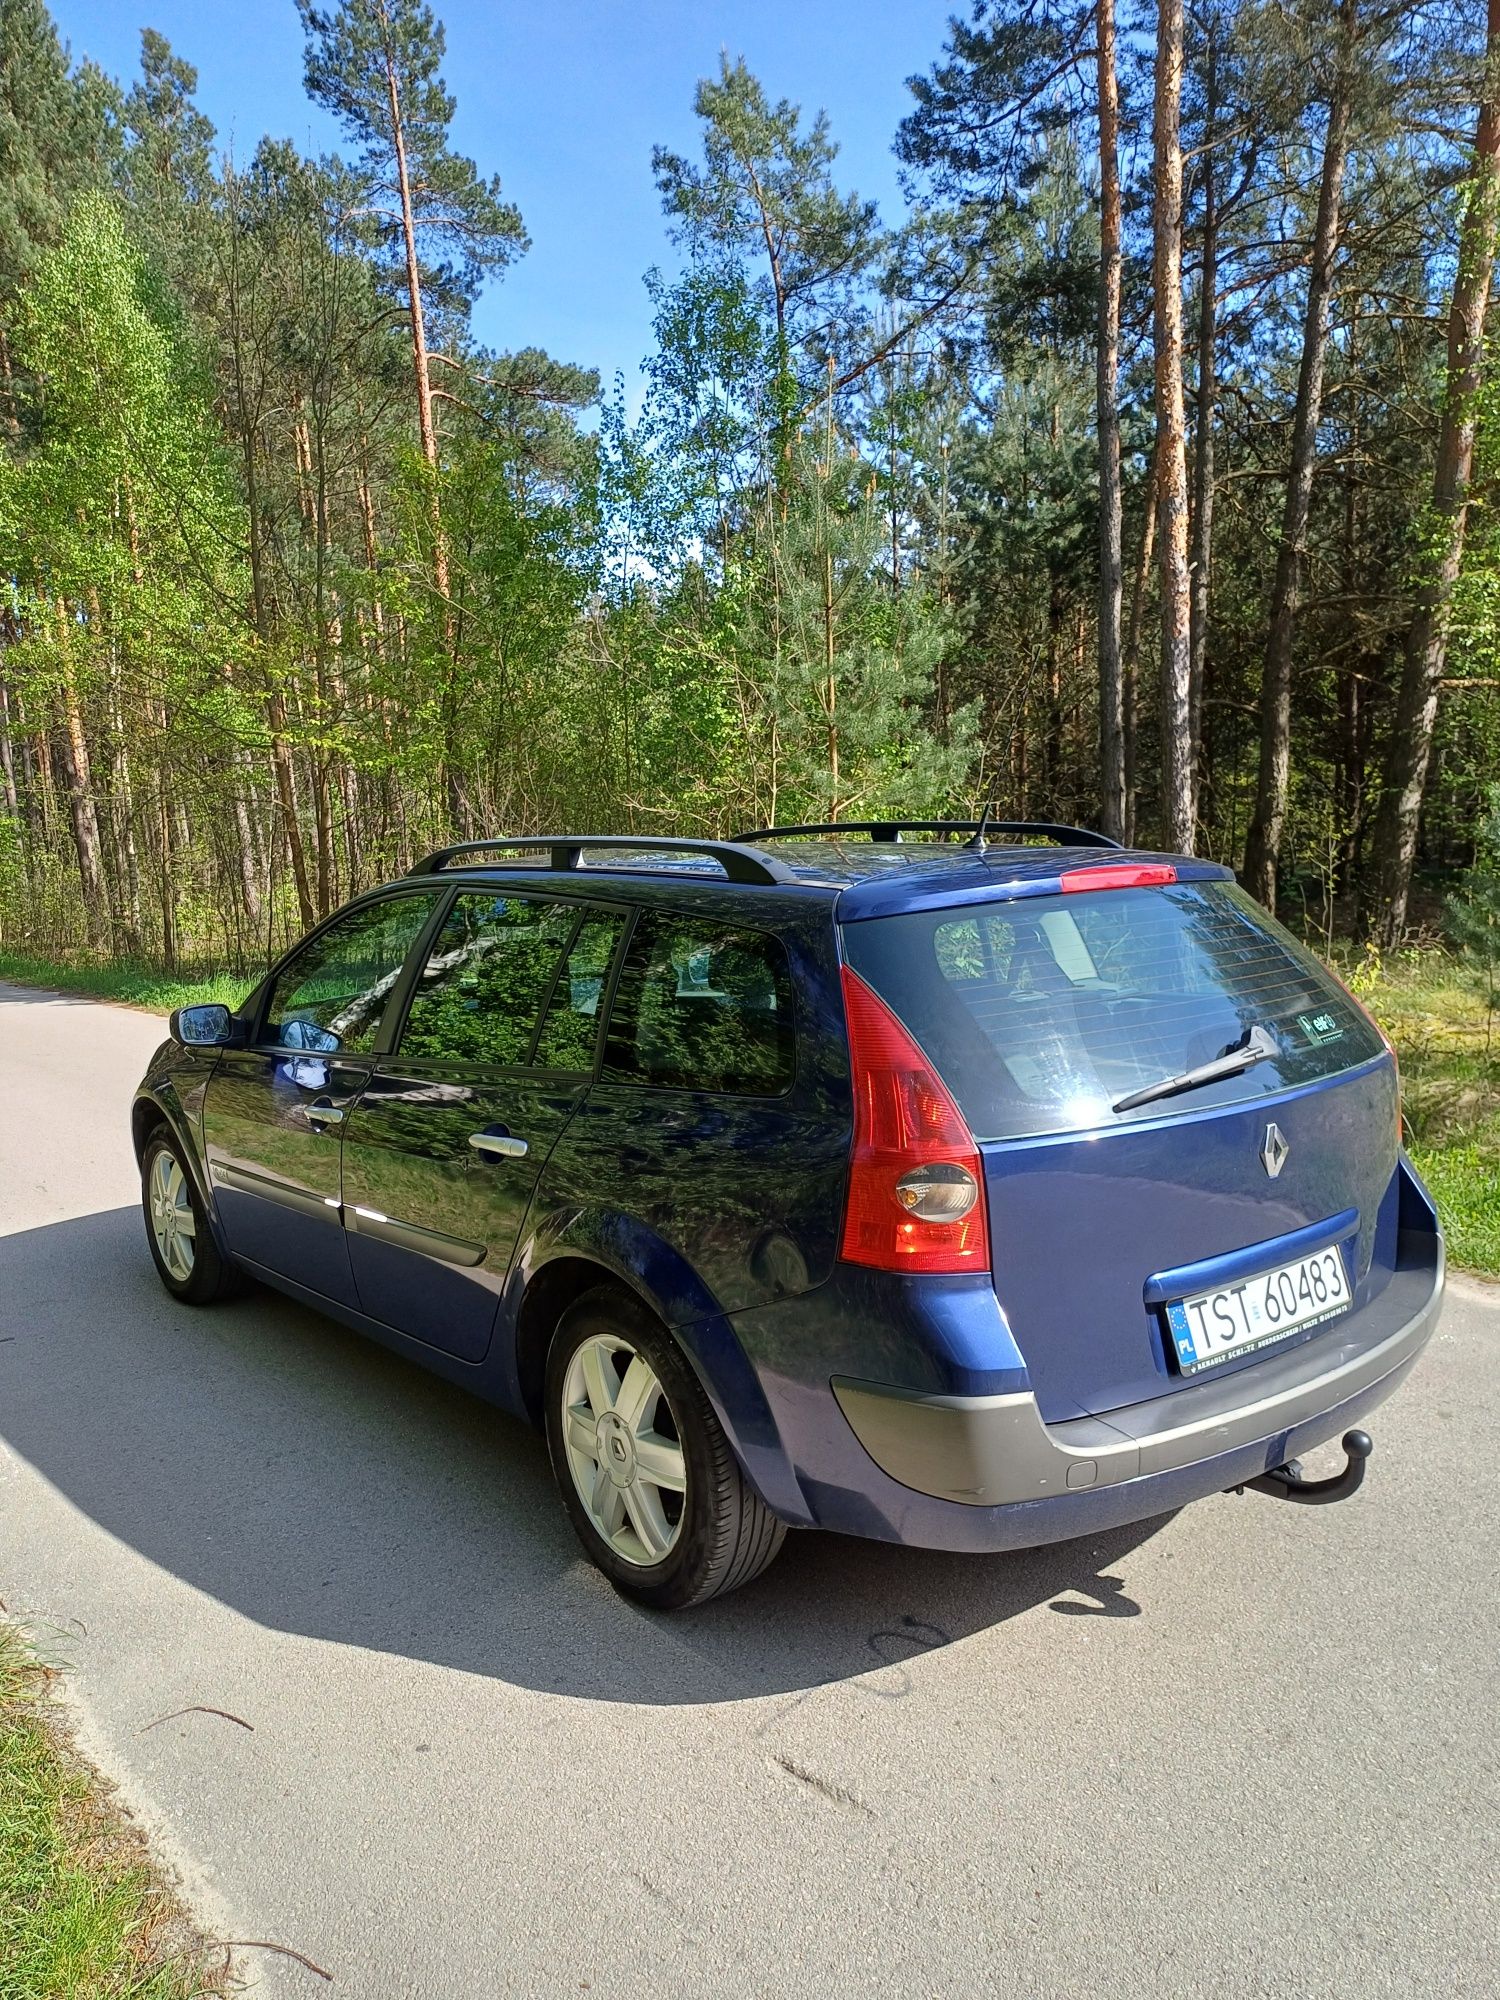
{"points": [[188, 1260], [646, 1473]]}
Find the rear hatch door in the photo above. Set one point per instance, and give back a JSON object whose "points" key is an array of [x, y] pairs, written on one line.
{"points": [[1042, 1012]]}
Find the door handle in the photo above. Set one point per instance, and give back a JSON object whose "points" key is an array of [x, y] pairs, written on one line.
{"points": [[499, 1145], [321, 1112]]}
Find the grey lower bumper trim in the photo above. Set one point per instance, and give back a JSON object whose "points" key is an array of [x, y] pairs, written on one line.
{"points": [[985, 1451]]}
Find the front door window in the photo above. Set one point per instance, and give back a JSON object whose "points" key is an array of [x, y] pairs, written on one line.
{"points": [[330, 997]]}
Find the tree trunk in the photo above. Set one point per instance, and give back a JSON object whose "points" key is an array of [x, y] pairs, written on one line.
{"points": [[421, 370], [9, 418], [167, 878], [128, 868], [81, 807], [323, 832], [286, 796], [1052, 748], [1349, 786], [1427, 636], [1205, 411], [247, 844], [1112, 779], [1171, 439], [247, 840], [46, 786], [8, 795], [261, 620], [1130, 660], [1263, 846]]}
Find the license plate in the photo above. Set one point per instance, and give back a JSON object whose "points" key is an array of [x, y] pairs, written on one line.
{"points": [[1236, 1319]]}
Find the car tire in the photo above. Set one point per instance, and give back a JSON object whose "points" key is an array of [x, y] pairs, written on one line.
{"points": [[188, 1260], [649, 1480]]}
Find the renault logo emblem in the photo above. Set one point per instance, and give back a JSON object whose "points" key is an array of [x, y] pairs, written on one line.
{"points": [[1273, 1151]]}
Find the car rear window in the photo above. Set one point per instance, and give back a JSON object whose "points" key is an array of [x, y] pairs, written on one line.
{"points": [[1041, 1012]]}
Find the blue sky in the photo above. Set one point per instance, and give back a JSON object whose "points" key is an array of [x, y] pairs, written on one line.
{"points": [[564, 101]]}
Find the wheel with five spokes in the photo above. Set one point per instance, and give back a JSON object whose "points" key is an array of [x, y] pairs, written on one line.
{"points": [[647, 1475], [188, 1260]]}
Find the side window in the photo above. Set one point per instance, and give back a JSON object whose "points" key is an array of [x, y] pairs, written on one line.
{"points": [[487, 979], [571, 1030], [700, 1007], [333, 993]]}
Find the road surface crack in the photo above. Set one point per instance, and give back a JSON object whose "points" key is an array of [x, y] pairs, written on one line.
{"points": [[837, 1795]]}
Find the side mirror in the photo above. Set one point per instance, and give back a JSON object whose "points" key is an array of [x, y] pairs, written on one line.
{"points": [[209, 1027]]}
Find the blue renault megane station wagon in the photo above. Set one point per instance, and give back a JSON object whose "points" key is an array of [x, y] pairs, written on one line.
{"points": [[923, 1182]]}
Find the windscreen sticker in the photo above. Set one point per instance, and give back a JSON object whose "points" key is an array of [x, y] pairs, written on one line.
{"points": [[1320, 1027]]}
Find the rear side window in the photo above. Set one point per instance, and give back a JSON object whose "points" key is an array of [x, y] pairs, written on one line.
{"points": [[701, 1007], [1042, 1012], [487, 979]]}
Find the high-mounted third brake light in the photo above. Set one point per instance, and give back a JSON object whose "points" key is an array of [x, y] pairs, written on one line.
{"points": [[1129, 875], [916, 1181]]}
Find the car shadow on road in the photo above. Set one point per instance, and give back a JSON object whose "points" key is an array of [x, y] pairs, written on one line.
{"points": [[320, 1485]]}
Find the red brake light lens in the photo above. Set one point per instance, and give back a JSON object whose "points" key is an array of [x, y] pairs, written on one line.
{"points": [[1129, 875], [916, 1181]]}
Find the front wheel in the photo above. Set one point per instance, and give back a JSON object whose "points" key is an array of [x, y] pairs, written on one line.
{"points": [[647, 1475], [188, 1260]]}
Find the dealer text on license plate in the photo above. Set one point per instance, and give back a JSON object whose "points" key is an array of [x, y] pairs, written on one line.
{"points": [[1210, 1326]]}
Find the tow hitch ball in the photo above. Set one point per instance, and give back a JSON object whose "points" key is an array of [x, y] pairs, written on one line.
{"points": [[1287, 1482]]}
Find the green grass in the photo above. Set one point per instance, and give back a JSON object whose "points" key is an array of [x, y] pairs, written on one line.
{"points": [[81, 1915], [1450, 1066], [138, 984], [1449, 1051]]}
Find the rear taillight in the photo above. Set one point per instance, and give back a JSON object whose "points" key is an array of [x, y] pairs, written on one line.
{"points": [[916, 1181]]}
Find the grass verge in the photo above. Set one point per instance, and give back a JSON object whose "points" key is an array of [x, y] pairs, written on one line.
{"points": [[138, 984], [1449, 1051], [1448, 1048], [82, 1914]]}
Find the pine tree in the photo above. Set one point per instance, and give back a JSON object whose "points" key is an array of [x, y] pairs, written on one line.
{"points": [[1179, 752], [1427, 636], [764, 198], [166, 172], [375, 64]]}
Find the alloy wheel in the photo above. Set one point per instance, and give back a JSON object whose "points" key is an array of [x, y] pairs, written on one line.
{"points": [[173, 1222], [623, 1450]]}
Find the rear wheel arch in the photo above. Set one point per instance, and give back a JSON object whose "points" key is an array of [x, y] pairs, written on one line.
{"points": [[722, 1533], [709, 1345], [550, 1293]]}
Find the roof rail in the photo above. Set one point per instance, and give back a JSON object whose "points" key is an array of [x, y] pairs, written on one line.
{"points": [[739, 862], [884, 830]]}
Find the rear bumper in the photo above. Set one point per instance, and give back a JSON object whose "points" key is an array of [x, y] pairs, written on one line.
{"points": [[992, 1474]]}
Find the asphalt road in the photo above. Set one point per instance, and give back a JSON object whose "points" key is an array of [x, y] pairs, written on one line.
{"points": [[1246, 1750]]}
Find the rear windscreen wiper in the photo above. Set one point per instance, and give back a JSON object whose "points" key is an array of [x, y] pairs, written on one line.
{"points": [[1252, 1047]]}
